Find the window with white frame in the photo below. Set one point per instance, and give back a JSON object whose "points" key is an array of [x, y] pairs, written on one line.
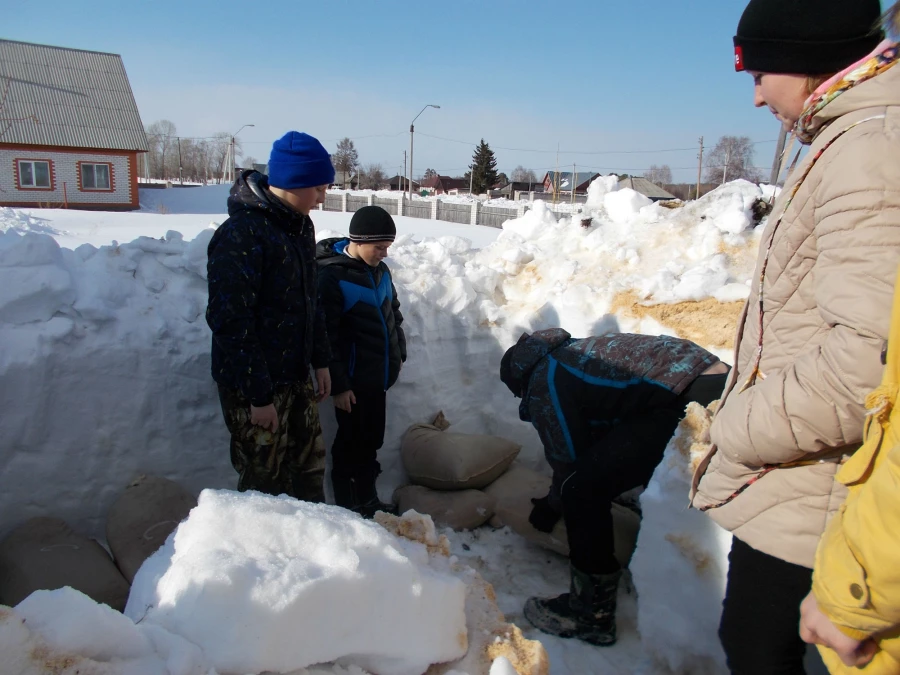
{"points": [[34, 174], [95, 176]]}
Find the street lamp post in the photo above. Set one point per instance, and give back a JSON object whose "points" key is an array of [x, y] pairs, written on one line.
{"points": [[232, 148], [412, 130]]}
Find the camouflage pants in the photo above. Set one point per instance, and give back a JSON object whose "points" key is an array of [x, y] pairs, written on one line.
{"points": [[289, 461]]}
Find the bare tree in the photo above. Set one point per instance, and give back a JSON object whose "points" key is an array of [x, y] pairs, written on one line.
{"points": [[731, 159], [160, 136], [372, 177], [659, 175], [346, 158], [430, 173], [522, 175], [220, 146], [249, 161]]}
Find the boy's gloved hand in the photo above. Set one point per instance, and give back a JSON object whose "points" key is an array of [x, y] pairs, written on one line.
{"points": [[543, 517]]}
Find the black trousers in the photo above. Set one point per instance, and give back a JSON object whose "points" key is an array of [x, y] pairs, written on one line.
{"points": [[625, 458], [354, 453], [761, 613]]}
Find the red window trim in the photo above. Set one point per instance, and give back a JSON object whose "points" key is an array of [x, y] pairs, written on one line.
{"points": [[31, 188], [112, 182]]}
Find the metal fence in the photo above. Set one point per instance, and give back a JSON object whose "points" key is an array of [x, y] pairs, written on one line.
{"points": [[455, 213], [356, 203], [389, 205], [333, 203], [495, 216], [417, 209]]}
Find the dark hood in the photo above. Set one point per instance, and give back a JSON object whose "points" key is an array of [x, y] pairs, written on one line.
{"points": [[331, 252], [520, 359], [250, 192]]}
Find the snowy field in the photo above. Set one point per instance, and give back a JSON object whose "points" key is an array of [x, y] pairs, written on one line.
{"points": [[104, 374]]}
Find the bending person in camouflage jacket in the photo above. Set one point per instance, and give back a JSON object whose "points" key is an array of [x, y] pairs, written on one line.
{"points": [[605, 408], [266, 324]]}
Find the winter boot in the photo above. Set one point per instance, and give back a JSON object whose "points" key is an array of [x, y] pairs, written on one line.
{"points": [[369, 502], [586, 612], [357, 493]]}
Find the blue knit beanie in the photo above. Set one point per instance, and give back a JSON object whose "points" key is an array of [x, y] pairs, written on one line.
{"points": [[299, 161]]}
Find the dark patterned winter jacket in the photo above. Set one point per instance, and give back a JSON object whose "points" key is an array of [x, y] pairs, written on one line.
{"points": [[573, 390], [363, 318], [263, 311]]}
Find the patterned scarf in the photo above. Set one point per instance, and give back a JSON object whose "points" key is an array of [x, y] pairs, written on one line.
{"points": [[806, 129]]}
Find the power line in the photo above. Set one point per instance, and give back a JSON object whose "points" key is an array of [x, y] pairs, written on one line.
{"points": [[580, 152]]}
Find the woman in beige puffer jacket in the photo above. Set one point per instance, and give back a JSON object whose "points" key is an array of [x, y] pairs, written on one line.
{"points": [[809, 345]]}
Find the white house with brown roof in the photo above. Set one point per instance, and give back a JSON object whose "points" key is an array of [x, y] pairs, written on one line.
{"points": [[70, 131]]}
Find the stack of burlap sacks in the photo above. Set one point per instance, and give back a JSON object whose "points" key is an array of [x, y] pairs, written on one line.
{"points": [[46, 553], [466, 480]]}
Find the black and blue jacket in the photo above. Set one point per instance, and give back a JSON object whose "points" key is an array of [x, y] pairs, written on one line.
{"points": [[363, 320], [574, 390], [266, 325]]}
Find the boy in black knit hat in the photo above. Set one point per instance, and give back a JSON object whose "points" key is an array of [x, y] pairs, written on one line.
{"points": [[363, 320]]}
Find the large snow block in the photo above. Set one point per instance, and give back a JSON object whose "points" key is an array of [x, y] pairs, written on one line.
{"points": [[514, 491], [142, 517], [265, 583], [46, 554], [680, 566]]}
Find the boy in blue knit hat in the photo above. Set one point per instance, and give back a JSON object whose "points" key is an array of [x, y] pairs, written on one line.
{"points": [[267, 327]]}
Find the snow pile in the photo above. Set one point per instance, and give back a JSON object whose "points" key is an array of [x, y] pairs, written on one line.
{"points": [[680, 565], [104, 365], [271, 583], [65, 632], [120, 333]]}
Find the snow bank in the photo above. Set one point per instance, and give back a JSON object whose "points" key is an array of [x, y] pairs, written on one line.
{"points": [[271, 583], [104, 370]]}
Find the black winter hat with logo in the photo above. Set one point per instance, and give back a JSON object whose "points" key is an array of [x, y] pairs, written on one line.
{"points": [[372, 223], [806, 37]]}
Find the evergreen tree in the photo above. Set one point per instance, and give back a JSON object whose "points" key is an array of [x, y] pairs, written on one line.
{"points": [[346, 158], [483, 169]]}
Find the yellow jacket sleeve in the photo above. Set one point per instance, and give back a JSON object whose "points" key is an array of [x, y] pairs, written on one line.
{"points": [[857, 575]]}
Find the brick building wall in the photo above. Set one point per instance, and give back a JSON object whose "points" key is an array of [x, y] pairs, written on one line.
{"points": [[65, 178]]}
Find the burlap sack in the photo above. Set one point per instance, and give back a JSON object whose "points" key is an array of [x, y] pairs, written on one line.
{"points": [[513, 492], [142, 518], [460, 509], [444, 460], [46, 554]]}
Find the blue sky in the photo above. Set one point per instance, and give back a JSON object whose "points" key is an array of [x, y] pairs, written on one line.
{"points": [[611, 84]]}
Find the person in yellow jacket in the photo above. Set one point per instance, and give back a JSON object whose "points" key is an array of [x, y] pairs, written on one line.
{"points": [[853, 611]]}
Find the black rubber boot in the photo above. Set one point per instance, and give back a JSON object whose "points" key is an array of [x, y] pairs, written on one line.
{"points": [[586, 612], [358, 494]]}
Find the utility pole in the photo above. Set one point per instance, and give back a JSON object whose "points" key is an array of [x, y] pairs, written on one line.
{"points": [[180, 169], [471, 176], [574, 184], [555, 181], [699, 167], [725, 168], [779, 151], [404, 171], [231, 159]]}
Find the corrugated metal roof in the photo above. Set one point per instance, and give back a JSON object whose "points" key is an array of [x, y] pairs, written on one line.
{"points": [[646, 188], [562, 181], [82, 99]]}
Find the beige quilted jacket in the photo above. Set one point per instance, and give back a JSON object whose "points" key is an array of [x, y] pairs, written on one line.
{"points": [[827, 300]]}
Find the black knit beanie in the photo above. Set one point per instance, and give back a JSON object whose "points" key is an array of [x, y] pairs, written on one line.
{"points": [[806, 37], [372, 223]]}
